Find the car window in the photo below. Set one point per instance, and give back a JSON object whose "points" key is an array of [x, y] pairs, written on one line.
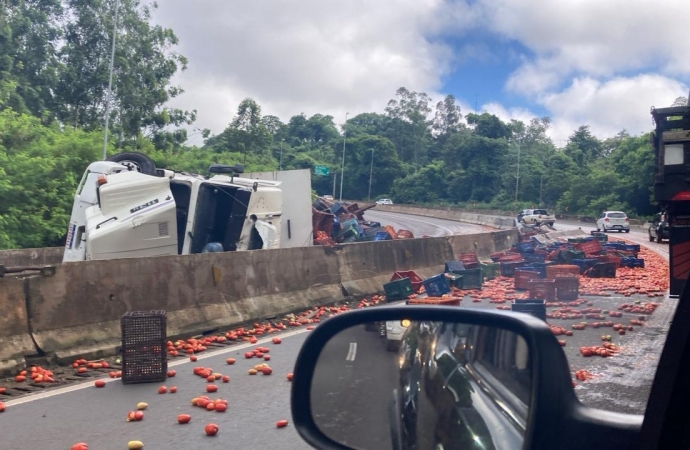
{"points": [[540, 211], [617, 215], [505, 355]]}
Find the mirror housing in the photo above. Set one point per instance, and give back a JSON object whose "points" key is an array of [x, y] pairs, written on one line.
{"points": [[556, 418]]}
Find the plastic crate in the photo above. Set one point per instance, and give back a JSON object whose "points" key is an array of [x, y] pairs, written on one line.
{"points": [[508, 267], [539, 267], [610, 259], [533, 306], [562, 270], [602, 270], [437, 285], [510, 257], [398, 289], [590, 248], [543, 289], [471, 278], [567, 256], [567, 288], [523, 277], [490, 270], [382, 236], [632, 262], [525, 247], [454, 266], [495, 256], [635, 248], [454, 280], [144, 352], [585, 264], [534, 257], [415, 280]]}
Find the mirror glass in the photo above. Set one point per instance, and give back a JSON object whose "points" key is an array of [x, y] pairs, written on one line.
{"points": [[423, 385]]}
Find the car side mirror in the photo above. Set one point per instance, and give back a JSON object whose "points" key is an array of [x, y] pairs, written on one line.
{"points": [[449, 376]]}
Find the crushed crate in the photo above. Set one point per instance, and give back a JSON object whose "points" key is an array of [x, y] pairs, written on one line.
{"points": [[454, 280], [437, 285], [398, 289], [508, 267], [523, 277], [567, 288], [144, 352], [602, 270], [543, 289], [533, 306], [415, 280], [562, 270], [525, 247]]}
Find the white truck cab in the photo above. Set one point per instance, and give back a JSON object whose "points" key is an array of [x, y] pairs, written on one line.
{"points": [[123, 213]]}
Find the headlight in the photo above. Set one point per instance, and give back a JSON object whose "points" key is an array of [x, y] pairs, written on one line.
{"points": [[405, 323]]}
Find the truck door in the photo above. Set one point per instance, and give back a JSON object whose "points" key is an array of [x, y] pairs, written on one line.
{"points": [[137, 218]]}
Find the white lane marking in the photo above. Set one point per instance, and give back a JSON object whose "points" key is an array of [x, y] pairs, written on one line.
{"points": [[420, 221], [352, 353], [89, 384]]}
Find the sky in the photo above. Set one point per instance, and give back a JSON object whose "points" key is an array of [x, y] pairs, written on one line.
{"points": [[578, 62]]}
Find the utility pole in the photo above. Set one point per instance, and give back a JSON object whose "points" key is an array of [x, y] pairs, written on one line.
{"points": [[110, 83], [342, 168], [280, 161], [371, 172], [541, 185], [517, 179], [335, 178]]}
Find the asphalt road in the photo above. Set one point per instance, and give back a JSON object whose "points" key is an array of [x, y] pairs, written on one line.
{"points": [[422, 226], [58, 419]]}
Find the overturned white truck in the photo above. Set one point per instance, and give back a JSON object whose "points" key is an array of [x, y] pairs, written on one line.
{"points": [[125, 208]]}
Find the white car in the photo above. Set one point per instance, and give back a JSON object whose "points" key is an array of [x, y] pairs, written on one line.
{"points": [[395, 330], [538, 217], [384, 201], [613, 220]]}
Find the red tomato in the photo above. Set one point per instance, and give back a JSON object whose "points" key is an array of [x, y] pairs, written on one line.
{"points": [[79, 446], [211, 429], [266, 370], [183, 418], [230, 360], [100, 383], [221, 407], [226, 379], [290, 376], [211, 388], [162, 390], [138, 415], [173, 389], [2, 407], [281, 423], [171, 373]]}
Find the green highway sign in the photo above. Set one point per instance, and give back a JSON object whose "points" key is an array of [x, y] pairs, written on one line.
{"points": [[321, 170]]}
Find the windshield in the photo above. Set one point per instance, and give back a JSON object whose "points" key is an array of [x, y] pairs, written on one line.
{"points": [[617, 215], [540, 212]]}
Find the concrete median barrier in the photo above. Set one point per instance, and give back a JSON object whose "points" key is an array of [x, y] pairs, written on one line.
{"points": [[494, 221], [31, 257], [15, 336]]}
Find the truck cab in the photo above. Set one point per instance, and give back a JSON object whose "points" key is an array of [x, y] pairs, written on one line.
{"points": [[124, 213]]}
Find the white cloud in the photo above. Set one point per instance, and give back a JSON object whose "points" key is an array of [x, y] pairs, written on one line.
{"points": [[307, 56], [611, 106], [590, 37]]}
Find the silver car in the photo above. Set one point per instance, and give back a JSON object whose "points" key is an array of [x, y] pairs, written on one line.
{"points": [[613, 221]]}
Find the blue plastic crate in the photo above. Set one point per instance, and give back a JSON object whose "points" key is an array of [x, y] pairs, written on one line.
{"points": [[635, 248], [525, 247], [533, 257], [382, 236], [632, 262], [536, 267], [454, 267], [437, 285]]}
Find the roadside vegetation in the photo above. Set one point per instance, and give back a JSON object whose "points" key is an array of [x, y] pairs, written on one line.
{"points": [[54, 59]]}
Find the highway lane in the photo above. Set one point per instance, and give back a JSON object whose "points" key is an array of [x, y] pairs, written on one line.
{"points": [[421, 225], [58, 419]]}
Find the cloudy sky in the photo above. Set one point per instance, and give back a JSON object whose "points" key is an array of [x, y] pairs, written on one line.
{"points": [[601, 63]]}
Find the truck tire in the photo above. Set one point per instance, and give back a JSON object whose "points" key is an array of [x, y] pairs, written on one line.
{"points": [[658, 237], [135, 161], [651, 238]]}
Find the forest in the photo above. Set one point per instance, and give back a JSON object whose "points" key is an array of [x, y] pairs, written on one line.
{"points": [[54, 74]]}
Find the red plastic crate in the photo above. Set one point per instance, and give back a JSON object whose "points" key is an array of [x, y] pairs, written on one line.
{"points": [[523, 277], [563, 270], [415, 279], [543, 289], [567, 288], [590, 248]]}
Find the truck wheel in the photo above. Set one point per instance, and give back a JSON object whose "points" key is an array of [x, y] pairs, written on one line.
{"points": [[391, 346], [651, 238], [135, 162], [658, 237]]}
